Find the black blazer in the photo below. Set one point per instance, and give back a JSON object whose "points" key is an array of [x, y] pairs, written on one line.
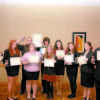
{"points": [[7, 57], [97, 71], [74, 65], [89, 67], [23, 48]]}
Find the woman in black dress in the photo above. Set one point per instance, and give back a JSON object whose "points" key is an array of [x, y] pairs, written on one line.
{"points": [[87, 71], [12, 71], [72, 69], [59, 67]]}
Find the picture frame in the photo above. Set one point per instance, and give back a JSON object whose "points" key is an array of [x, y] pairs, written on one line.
{"points": [[79, 38]]}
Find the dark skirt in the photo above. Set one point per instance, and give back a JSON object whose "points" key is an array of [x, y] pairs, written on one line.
{"points": [[59, 67], [50, 78], [12, 71], [87, 79], [49, 74], [49, 70], [31, 75]]}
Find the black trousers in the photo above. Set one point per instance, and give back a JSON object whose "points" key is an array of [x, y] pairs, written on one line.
{"points": [[97, 88], [43, 81], [23, 82], [73, 85], [49, 88]]}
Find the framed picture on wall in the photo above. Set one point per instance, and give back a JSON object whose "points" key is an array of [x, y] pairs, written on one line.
{"points": [[79, 38]]}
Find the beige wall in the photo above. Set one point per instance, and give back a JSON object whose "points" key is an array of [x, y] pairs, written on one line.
{"points": [[56, 22]]}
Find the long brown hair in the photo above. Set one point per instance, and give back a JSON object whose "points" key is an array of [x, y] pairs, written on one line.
{"points": [[55, 46], [10, 48], [89, 43], [68, 50], [52, 54]]}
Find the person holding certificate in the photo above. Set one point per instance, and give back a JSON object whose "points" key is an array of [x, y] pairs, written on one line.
{"points": [[12, 69], [59, 66], [31, 61], [87, 71], [24, 49], [1, 56], [49, 71], [46, 42], [96, 60], [71, 67]]}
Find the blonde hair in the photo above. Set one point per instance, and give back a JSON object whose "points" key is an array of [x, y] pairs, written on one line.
{"points": [[52, 53]]}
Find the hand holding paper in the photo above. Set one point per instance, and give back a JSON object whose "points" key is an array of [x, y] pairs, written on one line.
{"points": [[98, 55], [68, 59], [43, 51], [60, 53], [82, 60], [34, 59], [15, 61], [1, 57], [37, 40], [49, 62]]}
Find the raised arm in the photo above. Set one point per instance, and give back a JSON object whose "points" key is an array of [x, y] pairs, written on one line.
{"points": [[20, 40]]}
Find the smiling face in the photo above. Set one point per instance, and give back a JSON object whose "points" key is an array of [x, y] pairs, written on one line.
{"points": [[31, 48], [58, 45], [13, 45], [87, 47], [49, 50], [71, 47], [29, 40]]}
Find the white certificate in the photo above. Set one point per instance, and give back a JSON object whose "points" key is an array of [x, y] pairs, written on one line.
{"points": [[60, 53], [98, 55], [43, 51], [34, 59], [49, 62], [37, 39], [15, 61], [69, 58], [1, 57], [81, 60]]}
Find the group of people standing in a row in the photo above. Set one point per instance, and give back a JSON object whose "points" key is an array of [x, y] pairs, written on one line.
{"points": [[30, 71]]}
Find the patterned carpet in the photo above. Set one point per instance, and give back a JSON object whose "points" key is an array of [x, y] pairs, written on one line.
{"points": [[40, 96]]}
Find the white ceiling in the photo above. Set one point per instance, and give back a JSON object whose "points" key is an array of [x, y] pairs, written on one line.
{"points": [[52, 2]]}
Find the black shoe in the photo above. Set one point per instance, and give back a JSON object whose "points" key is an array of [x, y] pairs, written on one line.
{"points": [[33, 98], [71, 96], [43, 92], [48, 97], [28, 99], [22, 92], [52, 96]]}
